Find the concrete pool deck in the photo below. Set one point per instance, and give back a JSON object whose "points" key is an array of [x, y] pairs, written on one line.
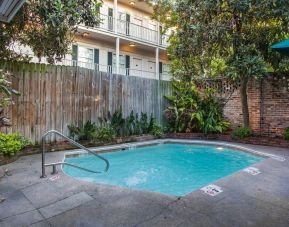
{"points": [[246, 200]]}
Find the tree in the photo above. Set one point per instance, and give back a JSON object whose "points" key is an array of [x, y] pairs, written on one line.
{"points": [[226, 38], [47, 27], [6, 93]]}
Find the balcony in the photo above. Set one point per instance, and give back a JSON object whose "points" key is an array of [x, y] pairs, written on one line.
{"points": [[112, 70], [132, 30]]}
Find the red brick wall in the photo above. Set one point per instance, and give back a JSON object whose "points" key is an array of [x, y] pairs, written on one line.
{"points": [[268, 105]]}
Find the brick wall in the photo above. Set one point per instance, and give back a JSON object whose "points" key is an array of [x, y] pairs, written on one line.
{"points": [[268, 105]]}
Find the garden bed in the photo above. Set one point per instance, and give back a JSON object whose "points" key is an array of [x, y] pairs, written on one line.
{"points": [[255, 140], [64, 145]]}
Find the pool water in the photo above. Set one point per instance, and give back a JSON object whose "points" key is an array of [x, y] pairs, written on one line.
{"points": [[173, 169]]}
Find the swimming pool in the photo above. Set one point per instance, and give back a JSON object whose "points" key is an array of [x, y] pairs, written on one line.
{"points": [[169, 168]]}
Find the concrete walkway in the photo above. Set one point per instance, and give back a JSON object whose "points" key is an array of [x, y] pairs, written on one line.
{"points": [[246, 200]]}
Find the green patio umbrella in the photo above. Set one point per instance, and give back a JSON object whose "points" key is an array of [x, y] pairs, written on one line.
{"points": [[282, 47]]}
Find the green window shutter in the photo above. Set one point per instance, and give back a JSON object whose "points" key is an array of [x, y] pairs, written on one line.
{"points": [[96, 59], [96, 56], [110, 18], [127, 64], [161, 34], [109, 62], [160, 67], [109, 58], [110, 12], [74, 55], [74, 52], [127, 18]]}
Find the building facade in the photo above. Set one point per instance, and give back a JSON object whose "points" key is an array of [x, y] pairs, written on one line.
{"points": [[125, 42]]}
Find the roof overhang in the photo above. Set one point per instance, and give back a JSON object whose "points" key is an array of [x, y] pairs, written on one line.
{"points": [[8, 9]]}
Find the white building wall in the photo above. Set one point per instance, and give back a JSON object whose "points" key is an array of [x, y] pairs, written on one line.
{"points": [[142, 63]]}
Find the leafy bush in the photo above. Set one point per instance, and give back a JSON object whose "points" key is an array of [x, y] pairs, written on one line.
{"points": [[156, 130], [286, 133], [11, 143], [241, 132], [116, 125], [105, 134], [87, 132], [191, 111], [117, 122], [131, 125], [144, 125]]}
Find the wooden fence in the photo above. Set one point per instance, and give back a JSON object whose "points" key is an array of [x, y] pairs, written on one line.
{"points": [[53, 97]]}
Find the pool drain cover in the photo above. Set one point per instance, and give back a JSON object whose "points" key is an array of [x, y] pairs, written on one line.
{"points": [[212, 190]]}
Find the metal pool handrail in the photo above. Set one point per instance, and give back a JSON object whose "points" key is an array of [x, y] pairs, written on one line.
{"points": [[65, 163]]}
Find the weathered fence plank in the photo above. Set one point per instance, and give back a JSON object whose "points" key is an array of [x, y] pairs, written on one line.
{"points": [[52, 97]]}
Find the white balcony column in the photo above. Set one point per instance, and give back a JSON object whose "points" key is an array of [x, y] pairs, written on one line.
{"points": [[157, 64], [115, 7], [117, 55]]}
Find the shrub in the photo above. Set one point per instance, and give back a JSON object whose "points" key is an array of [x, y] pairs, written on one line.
{"points": [[87, 132], [194, 110], [241, 132], [156, 130], [11, 143], [144, 123], [116, 125], [286, 133], [105, 134]]}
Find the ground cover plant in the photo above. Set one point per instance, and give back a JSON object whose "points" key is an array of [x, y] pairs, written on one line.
{"points": [[241, 132], [286, 133], [12, 143]]}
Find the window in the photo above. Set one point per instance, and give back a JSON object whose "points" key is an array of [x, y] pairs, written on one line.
{"points": [[85, 57], [122, 63]]}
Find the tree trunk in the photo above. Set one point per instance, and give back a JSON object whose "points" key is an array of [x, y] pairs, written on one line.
{"points": [[244, 100]]}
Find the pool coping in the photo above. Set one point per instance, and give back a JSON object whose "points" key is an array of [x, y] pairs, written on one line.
{"points": [[125, 146]]}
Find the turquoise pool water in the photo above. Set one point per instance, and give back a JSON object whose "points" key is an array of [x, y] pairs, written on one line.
{"points": [[173, 169]]}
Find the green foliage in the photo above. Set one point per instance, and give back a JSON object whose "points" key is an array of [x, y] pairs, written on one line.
{"points": [[156, 130], [131, 125], [189, 111], [286, 133], [144, 123], [117, 122], [241, 132], [12, 143], [47, 27], [105, 134], [6, 94], [87, 132], [116, 125]]}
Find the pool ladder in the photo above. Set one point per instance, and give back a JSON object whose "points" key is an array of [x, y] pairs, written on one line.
{"points": [[54, 165]]}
